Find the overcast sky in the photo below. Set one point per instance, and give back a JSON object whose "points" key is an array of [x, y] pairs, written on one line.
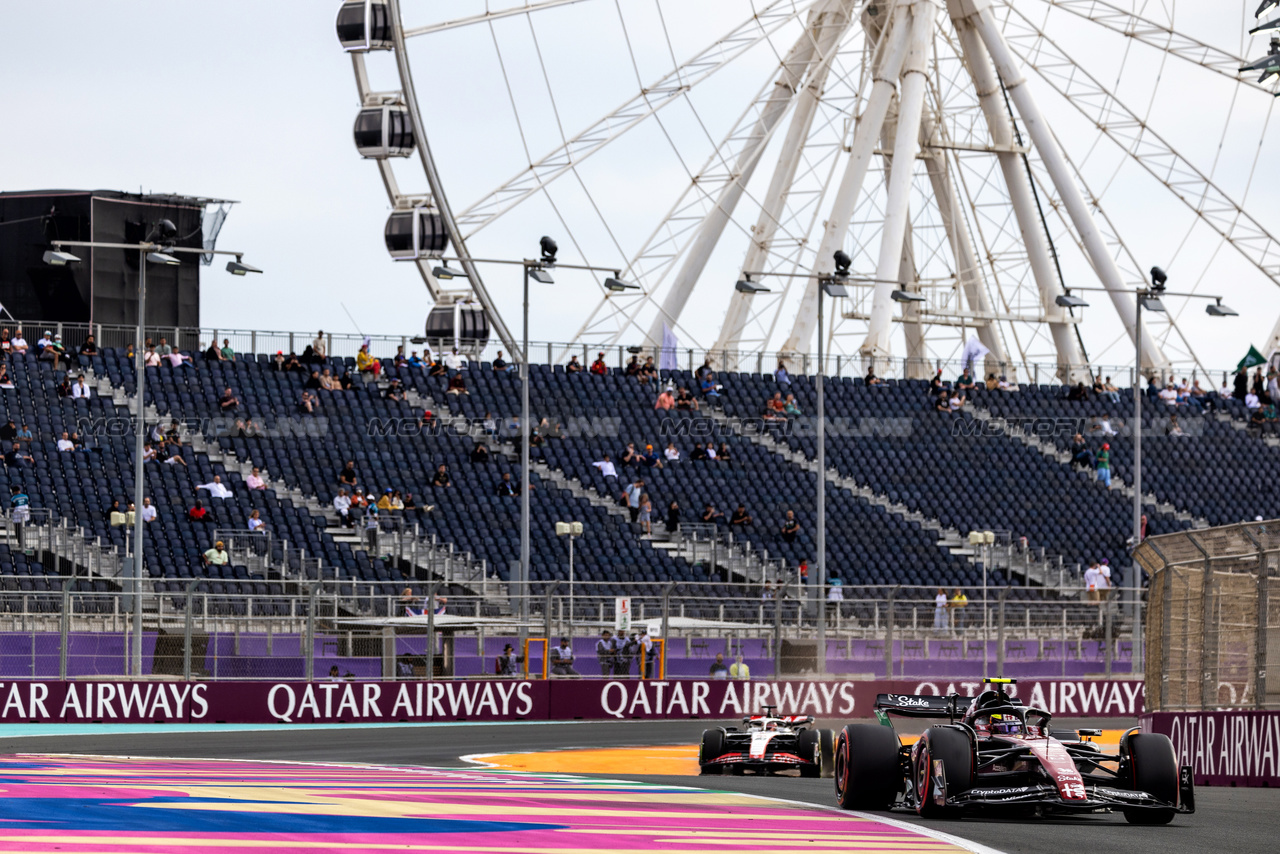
{"points": [[254, 101]]}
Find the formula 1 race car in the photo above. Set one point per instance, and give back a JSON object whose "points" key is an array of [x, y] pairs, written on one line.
{"points": [[766, 744], [995, 753]]}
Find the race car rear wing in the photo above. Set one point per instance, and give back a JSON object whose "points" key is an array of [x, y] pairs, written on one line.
{"points": [[927, 705]]}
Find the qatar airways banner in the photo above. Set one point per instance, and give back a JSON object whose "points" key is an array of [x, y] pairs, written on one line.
{"points": [[514, 700], [1224, 748]]}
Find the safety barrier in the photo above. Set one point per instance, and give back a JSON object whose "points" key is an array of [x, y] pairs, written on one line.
{"points": [[1226, 748]]}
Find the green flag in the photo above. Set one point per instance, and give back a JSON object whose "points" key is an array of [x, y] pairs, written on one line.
{"points": [[1253, 359]]}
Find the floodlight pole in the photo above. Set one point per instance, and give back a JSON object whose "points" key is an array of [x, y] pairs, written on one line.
{"points": [[139, 427], [820, 581], [1131, 593], [524, 461]]}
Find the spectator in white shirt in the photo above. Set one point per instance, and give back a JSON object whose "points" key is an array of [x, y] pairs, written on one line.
{"points": [[19, 344], [148, 511], [453, 361], [1169, 395], [1103, 426], [318, 348], [671, 453], [176, 359], [65, 443], [216, 488], [44, 340], [254, 480], [1092, 581], [80, 391], [1251, 401], [342, 503], [606, 467], [1104, 579], [151, 359]]}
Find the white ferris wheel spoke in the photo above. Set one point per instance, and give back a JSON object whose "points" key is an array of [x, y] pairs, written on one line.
{"points": [[486, 17], [672, 87]]}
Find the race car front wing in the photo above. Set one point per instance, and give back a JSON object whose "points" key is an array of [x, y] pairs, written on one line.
{"points": [[1045, 794]]}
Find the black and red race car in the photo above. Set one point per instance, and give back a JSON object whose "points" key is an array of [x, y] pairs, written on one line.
{"points": [[995, 753], [767, 744]]}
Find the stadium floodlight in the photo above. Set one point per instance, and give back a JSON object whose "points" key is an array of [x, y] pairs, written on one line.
{"points": [[1069, 300], [239, 268], [541, 276], [906, 296], [843, 263], [1151, 303], [163, 258], [549, 250], [58, 258], [444, 274], [746, 286], [1266, 4], [1217, 309], [616, 284], [833, 288], [1158, 279]]}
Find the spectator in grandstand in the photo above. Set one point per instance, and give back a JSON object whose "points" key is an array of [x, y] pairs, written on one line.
{"points": [[650, 458], [347, 477], [1006, 384], [178, 360], [992, 383], [633, 367], [598, 367], [436, 368], [711, 451], [630, 456], [15, 458], [698, 453], [628, 651], [1104, 579], [5, 380], [293, 364], [480, 453], [150, 358], [646, 514], [342, 504], [367, 364], [490, 425], [955, 607], [199, 513], [500, 364], [606, 467], [277, 361], [371, 525], [442, 478], [53, 352], [456, 385], [9, 431], [957, 401], [400, 360], [1102, 463], [711, 515], [18, 345], [65, 443], [43, 341], [148, 453], [740, 518], [1102, 426], [384, 501], [1252, 401], [1110, 391], [148, 510], [1201, 398], [506, 487], [562, 659], [719, 670], [711, 389], [19, 507], [937, 384], [319, 347], [1078, 392], [671, 453], [163, 347], [871, 378], [170, 452], [686, 402], [792, 409], [1241, 384], [633, 493], [666, 400], [313, 381], [395, 391], [774, 408], [6, 342], [255, 521], [549, 429], [1169, 394], [648, 371], [216, 488], [307, 405], [648, 652], [228, 402], [790, 528], [723, 454], [1173, 428], [606, 653], [228, 354], [673, 517], [965, 382], [213, 354], [1081, 456], [416, 361], [216, 556], [254, 480], [453, 360], [574, 366], [1092, 580], [705, 371], [739, 669]]}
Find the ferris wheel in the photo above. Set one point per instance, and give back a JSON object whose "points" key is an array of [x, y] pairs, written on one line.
{"points": [[993, 170]]}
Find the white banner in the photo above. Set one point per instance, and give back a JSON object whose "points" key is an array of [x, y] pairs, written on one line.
{"points": [[622, 614]]}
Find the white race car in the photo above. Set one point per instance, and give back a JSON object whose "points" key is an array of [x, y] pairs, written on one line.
{"points": [[768, 743]]}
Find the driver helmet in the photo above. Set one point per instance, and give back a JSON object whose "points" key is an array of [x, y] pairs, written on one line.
{"points": [[771, 725], [1005, 725]]}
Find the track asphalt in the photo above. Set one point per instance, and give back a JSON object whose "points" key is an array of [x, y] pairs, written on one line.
{"points": [[1227, 820]]}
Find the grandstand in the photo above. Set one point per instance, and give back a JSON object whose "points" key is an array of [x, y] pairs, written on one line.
{"points": [[906, 485]]}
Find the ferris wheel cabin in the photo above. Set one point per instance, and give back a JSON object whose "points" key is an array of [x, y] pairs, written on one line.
{"points": [[364, 25], [414, 234], [384, 131], [460, 324]]}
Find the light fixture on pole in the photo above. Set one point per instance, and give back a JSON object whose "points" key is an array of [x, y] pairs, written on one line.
{"points": [[1069, 300], [444, 274], [535, 270], [906, 296], [1217, 309], [571, 530], [157, 248], [615, 284], [746, 286], [239, 268]]}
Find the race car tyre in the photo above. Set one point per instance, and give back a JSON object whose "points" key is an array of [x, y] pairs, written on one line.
{"points": [[808, 747], [1153, 768], [827, 743], [954, 749], [868, 775], [711, 749]]}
